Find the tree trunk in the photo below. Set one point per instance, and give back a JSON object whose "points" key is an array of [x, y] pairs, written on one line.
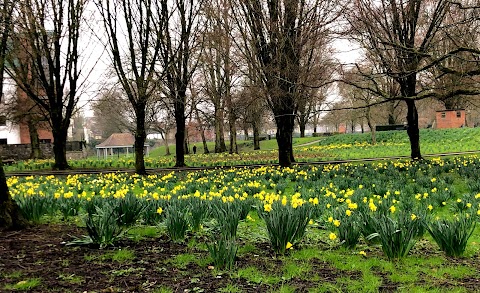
{"points": [[413, 130], [245, 131], [10, 217], [140, 137], [202, 132], [36, 152], [315, 123], [285, 124], [391, 113], [233, 132], [180, 135], [60, 148], [256, 136], [373, 132], [165, 142], [204, 142], [302, 124], [220, 146]]}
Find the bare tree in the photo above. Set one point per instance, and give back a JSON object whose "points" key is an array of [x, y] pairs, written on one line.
{"points": [[275, 34], [9, 212], [46, 42], [135, 34], [180, 40], [401, 38], [22, 110], [360, 99], [113, 113]]}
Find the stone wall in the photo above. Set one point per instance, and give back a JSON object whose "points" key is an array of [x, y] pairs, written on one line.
{"points": [[23, 151]]}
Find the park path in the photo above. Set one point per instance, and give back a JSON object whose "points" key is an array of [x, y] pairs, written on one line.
{"points": [[307, 143]]}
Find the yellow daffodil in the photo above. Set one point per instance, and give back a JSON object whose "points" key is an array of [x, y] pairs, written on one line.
{"points": [[392, 209], [363, 253], [348, 212], [413, 217], [289, 245], [332, 236], [430, 207], [336, 223], [267, 207]]}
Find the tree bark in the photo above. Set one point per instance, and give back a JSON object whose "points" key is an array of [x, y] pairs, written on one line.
{"points": [[165, 142], [140, 138], [36, 152], [245, 131], [284, 137], [373, 132], [233, 130], [220, 146], [10, 217], [180, 135], [60, 148], [256, 136], [413, 130], [202, 132], [302, 125]]}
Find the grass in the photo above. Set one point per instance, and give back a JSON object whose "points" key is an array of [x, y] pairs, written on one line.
{"points": [[142, 232], [243, 146], [181, 261], [123, 255], [24, 285], [335, 147], [71, 278]]}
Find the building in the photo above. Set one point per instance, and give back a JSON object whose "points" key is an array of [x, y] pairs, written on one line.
{"points": [[9, 131], [118, 143], [450, 119]]}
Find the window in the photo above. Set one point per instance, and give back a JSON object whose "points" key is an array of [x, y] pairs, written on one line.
{"points": [[3, 141], [459, 114], [444, 115], [3, 120]]}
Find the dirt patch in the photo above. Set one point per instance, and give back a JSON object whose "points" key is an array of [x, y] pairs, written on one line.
{"points": [[39, 252]]}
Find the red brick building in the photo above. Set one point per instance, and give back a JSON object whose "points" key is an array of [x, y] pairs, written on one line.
{"points": [[450, 119]]}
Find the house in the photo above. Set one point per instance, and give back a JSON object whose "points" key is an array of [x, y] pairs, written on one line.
{"points": [[450, 119], [118, 143]]}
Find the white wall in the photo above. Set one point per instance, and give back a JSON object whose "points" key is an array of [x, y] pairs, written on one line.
{"points": [[10, 132]]}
